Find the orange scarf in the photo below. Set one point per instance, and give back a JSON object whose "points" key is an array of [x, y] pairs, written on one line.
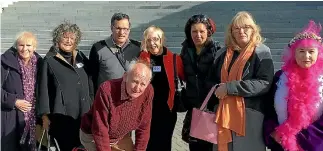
{"points": [[231, 111]]}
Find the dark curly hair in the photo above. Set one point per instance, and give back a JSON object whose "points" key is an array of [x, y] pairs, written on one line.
{"points": [[66, 26], [199, 18]]}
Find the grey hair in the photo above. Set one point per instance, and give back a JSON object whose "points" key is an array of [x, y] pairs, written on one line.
{"points": [[66, 26], [140, 61]]}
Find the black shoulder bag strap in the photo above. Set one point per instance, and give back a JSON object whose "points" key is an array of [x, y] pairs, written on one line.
{"points": [[178, 83], [175, 72], [118, 55]]}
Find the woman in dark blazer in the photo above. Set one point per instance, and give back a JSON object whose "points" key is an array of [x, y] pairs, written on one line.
{"points": [[64, 92], [244, 70], [164, 114], [19, 66]]}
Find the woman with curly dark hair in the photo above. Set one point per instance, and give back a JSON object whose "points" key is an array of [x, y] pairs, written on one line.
{"points": [[64, 87], [198, 51]]}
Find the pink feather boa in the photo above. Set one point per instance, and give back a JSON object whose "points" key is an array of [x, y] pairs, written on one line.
{"points": [[303, 94]]}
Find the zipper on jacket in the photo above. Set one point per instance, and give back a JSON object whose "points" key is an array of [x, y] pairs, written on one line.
{"points": [[196, 77], [197, 86]]}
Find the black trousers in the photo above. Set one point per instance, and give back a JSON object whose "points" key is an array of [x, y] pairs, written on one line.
{"points": [[65, 130], [200, 145], [162, 127]]}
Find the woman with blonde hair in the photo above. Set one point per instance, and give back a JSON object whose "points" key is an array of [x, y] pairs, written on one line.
{"points": [[164, 114], [243, 71], [19, 65]]}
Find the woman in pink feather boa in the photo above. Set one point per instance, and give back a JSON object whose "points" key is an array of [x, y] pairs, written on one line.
{"points": [[298, 99]]}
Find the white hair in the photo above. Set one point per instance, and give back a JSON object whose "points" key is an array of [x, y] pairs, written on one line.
{"points": [[134, 62]]}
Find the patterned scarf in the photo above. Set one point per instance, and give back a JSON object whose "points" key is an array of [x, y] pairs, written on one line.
{"points": [[28, 81]]}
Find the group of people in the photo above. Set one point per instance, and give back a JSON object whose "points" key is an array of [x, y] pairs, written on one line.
{"points": [[126, 85]]}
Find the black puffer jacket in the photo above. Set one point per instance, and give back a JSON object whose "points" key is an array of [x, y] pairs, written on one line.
{"points": [[196, 70]]}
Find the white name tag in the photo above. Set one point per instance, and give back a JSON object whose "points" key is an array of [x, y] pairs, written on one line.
{"points": [[79, 65], [156, 68]]}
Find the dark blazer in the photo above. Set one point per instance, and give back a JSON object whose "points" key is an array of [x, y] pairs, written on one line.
{"points": [[12, 119], [63, 88], [256, 80]]}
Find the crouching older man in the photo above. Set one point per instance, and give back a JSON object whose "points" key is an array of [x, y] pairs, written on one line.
{"points": [[120, 106]]}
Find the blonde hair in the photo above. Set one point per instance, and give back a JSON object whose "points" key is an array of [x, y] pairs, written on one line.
{"points": [[26, 36], [239, 20], [154, 29]]}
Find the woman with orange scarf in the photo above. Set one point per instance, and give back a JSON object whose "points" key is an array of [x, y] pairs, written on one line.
{"points": [[244, 71]]}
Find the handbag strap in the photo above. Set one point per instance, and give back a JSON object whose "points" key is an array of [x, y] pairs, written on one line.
{"points": [[177, 80], [57, 147], [48, 141], [206, 100], [175, 71], [41, 139]]}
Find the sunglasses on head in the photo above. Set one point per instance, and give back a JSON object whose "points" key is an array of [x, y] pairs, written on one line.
{"points": [[200, 17]]}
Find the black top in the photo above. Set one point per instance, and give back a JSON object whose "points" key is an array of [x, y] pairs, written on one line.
{"points": [[67, 55], [160, 82]]}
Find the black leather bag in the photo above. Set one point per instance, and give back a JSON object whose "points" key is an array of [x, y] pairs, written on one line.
{"points": [[180, 90]]}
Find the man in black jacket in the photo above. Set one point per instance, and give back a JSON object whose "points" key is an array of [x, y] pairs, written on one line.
{"points": [[109, 58]]}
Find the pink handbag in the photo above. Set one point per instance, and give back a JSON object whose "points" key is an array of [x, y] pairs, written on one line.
{"points": [[202, 125]]}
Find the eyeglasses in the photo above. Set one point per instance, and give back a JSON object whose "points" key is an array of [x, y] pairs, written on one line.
{"points": [[153, 39], [245, 28], [118, 29]]}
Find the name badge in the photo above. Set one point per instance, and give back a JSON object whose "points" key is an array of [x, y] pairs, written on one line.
{"points": [[79, 65], [156, 68]]}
